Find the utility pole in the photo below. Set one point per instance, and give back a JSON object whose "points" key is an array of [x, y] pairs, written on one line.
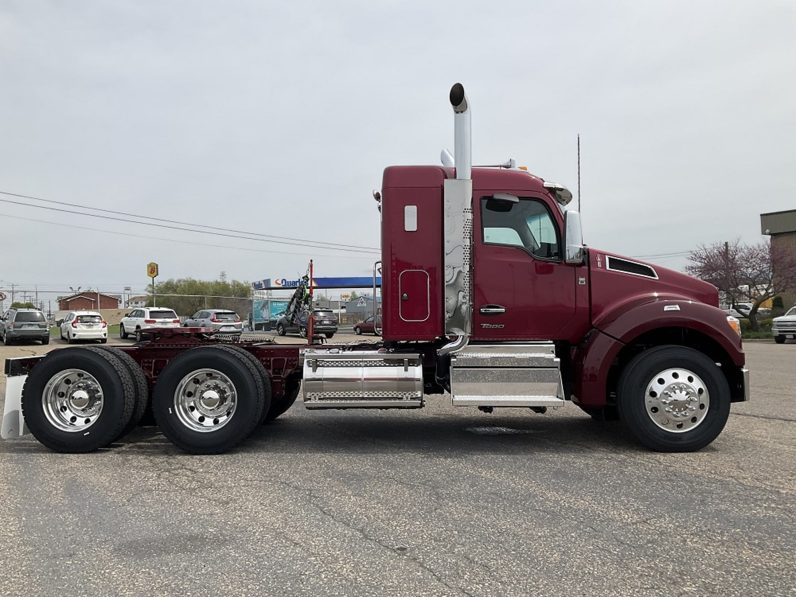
{"points": [[12, 294]]}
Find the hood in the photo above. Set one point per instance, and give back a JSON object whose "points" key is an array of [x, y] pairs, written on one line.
{"points": [[618, 281]]}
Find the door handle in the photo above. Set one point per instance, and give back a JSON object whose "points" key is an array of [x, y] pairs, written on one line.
{"points": [[492, 309]]}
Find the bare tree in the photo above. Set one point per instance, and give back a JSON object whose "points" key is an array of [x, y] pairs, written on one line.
{"points": [[745, 273]]}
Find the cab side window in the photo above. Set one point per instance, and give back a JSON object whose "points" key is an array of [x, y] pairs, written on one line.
{"points": [[526, 223]]}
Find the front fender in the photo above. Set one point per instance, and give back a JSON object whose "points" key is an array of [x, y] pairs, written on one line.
{"points": [[593, 358]]}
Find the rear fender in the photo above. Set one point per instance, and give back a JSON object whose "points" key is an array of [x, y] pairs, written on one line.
{"points": [[598, 353]]}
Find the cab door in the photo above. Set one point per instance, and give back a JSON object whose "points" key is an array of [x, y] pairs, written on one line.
{"points": [[523, 290]]}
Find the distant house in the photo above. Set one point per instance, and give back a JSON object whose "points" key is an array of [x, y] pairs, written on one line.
{"points": [[88, 301], [136, 302], [361, 307]]}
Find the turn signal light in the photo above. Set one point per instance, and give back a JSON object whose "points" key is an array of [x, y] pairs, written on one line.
{"points": [[734, 324]]}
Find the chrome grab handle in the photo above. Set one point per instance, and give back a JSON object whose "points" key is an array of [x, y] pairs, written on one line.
{"points": [[492, 309]]}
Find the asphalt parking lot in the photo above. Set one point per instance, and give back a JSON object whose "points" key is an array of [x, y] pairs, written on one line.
{"points": [[439, 501]]}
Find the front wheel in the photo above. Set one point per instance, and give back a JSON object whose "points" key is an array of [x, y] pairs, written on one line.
{"points": [[280, 329], [779, 339], [122, 333], [357, 331], [673, 399]]}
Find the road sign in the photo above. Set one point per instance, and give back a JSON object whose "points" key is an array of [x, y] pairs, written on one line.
{"points": [[2, 296], [152, 270]]}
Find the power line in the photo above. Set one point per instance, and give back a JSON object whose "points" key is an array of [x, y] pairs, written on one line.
{"points": [[185, 242], [305, 243]]}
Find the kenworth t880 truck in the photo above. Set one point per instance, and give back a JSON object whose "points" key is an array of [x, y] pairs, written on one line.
{"points": [[489, 296]]}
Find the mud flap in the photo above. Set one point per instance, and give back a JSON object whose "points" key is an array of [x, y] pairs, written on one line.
{"points": [[13, 422]]}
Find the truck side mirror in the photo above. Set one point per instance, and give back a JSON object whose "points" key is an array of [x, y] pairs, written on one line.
{"points": [[573, 238]]}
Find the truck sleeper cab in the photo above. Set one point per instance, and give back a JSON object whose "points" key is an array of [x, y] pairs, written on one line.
{"points": [[488, 295]]}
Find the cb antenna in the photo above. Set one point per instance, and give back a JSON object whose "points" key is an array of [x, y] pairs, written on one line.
{"points": [[578, 172]]}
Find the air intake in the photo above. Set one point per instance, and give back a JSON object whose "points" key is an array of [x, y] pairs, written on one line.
{"points": [[630, 267]]}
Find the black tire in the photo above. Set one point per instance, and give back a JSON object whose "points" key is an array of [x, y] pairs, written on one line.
{"points": [[6, 341], [138, 336], [45, 340], [139, 380], [122, 333], [251, 403], [632, 399], [329, 334], [61, 333], [357, 331], [280, 329], [104, 341], [118, 391], [281, 406], [779, 339], [263, 378]]}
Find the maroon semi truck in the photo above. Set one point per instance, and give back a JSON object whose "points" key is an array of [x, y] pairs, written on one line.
{"points": [[489, 295]]}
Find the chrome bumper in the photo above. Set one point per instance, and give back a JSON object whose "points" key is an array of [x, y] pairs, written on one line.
{"points": [[746, 389]]}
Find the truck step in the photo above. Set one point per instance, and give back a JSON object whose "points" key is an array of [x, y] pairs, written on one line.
{"points": [[362, 379], [516, 375]]}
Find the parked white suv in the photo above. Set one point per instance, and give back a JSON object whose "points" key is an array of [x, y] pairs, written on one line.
{"points": [[84, 325], [138, 321], [784, 327]]}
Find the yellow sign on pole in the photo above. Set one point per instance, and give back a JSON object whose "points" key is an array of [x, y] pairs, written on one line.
{"points": [[152, 270]]}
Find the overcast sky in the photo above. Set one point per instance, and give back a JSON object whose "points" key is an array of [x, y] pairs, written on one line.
{"points": [[278, 118]]}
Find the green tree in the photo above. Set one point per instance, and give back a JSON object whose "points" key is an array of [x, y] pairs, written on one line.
{"points": [[187, 295], [19, 305]]}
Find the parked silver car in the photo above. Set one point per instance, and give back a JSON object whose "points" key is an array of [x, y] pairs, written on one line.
{"points": [[24, 324], [219, 320]]}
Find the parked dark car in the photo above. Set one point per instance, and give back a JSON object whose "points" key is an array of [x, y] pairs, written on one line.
{"points": [[325, 324], [370, 325], [24, 324]]}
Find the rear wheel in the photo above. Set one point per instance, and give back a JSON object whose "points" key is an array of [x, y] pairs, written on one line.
{"points": [[263, 378], [329, 334], [280, 329], [779, 339], [138, 336], [303, 332], [357, 331], [673, 399], [6, 341], [207, 400], [140, 382], [78, 400]]}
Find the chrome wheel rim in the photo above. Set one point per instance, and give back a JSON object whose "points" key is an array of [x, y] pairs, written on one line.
{"points": [[72, 400], [205, 400], [677, 400]]}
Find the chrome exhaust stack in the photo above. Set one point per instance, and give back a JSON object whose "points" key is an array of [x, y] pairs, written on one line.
{"points": [[458, 227]]}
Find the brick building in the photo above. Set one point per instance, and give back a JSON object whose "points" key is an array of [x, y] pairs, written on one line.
{"points": [[781, 227], [88, 301]]}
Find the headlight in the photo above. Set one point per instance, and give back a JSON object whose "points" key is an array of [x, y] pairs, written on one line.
{"points": [[734, 324]]}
